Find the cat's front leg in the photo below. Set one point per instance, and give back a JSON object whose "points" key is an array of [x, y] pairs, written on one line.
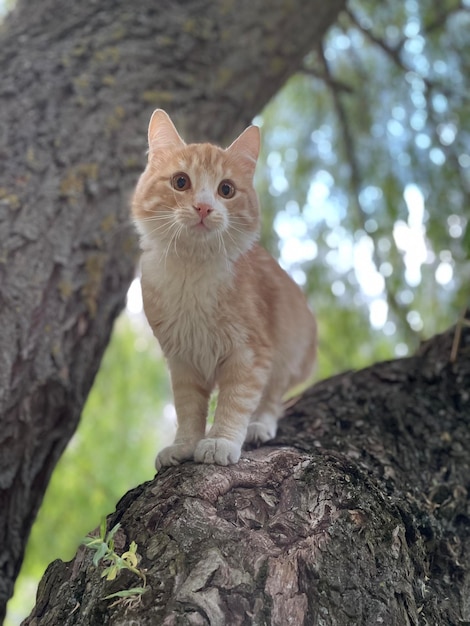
{"points": [[241, 382], [191, 398]]}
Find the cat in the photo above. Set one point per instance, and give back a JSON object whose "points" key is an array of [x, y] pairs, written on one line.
{"points": [[224, 312]]}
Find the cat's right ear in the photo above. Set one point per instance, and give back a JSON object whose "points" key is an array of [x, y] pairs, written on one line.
{"points": [[246, 147], [162, 132]]}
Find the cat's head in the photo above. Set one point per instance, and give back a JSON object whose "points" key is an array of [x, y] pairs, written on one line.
{"points": [[197, 199]]}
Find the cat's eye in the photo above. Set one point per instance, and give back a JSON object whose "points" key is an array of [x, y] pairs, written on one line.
{"points": [[181, 182], [226, 189]]}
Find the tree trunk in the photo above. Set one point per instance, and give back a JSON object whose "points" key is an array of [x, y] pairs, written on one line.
{"points": [[357, 514], [79, 82]]}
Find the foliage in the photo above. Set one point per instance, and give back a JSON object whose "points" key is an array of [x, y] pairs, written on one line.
{"points": [[366, 177], [103, 546]]}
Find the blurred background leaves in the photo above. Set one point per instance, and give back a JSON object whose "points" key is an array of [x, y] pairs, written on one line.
{"points": [[365, 178]]}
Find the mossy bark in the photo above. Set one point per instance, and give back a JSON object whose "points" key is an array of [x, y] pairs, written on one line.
{"points": [[357, 514]]}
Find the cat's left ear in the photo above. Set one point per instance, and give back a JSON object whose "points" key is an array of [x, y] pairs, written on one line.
{"points": [[247, 145]]}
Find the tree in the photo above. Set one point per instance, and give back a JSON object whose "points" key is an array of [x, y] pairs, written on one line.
{"points": [[381, 72], [356, 514], [78, 84]]}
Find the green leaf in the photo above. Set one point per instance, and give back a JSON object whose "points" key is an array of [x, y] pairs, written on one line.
{"points": [[110, 572], [90, 542], [103, 528], [112, 532], [100, 553], [127, 593], [130, 558]]}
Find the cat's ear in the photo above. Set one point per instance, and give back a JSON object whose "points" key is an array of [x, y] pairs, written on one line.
{"points": [[162, 132], [247, 145]]}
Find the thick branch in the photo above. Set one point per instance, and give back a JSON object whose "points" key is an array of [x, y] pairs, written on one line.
{"points": [[357, 514]]}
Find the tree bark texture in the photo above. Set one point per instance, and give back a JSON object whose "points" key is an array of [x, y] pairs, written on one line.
{"points": [[79, 82], [357, 514]]}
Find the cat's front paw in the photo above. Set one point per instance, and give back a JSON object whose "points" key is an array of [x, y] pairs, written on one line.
{"points": [[217, 450], [174, 455], [259, 433]]}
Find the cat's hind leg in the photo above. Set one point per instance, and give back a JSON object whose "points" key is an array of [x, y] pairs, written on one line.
{"points": [[263, 422]]}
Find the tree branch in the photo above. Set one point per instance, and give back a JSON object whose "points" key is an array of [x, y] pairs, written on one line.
{"points": [[391, 51], [356, 180], [358, 510]]}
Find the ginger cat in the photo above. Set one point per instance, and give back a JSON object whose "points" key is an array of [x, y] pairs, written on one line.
{"points": [[223, 310]]}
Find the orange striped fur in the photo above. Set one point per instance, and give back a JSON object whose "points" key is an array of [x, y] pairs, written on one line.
{"points": [[223, 310]]}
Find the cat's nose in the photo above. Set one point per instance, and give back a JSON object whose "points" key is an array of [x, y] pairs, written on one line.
{"points": [[203, 209]]}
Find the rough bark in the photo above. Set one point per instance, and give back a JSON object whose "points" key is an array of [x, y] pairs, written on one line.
{"points": [[79, 81], [358, 513]]}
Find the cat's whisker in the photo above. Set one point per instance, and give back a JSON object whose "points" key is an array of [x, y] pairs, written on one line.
{"points": [[156, 214], [239, 221], [157, 218], [219, 239], [235, 245], [156, 206], [229, 233], [226, 257], [180, 206], [180, 229], [233, 221], [161, 227], [167, 249], [237, 230], [238, 218], [162, 230], [221, 245], [177, 232]]}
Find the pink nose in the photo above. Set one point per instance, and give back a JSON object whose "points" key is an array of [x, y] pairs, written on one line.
{"points": [[203, 209]]}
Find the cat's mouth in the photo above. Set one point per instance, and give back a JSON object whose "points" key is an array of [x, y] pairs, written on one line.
{"points": [[202, 226]]}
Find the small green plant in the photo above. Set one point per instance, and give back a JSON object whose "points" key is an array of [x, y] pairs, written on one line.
{"points": [[104, 553]]}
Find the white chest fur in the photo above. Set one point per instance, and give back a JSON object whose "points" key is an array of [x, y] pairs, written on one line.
{"points": [[184, 304]]}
